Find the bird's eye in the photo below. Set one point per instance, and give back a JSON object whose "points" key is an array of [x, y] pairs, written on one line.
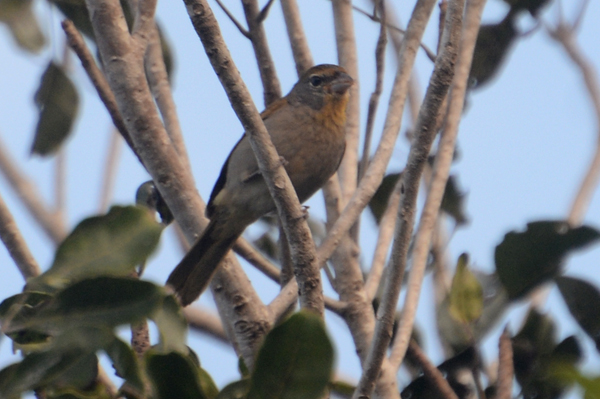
{"points": [[316, 80]]}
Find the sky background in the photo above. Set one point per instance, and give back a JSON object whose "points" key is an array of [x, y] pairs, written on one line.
{"points": [[525, 143]]}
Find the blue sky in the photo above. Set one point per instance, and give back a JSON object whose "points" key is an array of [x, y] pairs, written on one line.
{"points": [[525, 142]]}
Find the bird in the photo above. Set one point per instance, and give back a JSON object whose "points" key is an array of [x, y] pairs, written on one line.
{"points": [[307, 127]]}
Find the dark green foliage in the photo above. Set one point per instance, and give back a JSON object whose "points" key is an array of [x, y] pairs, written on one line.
{"points": [[58, 103], [583, 300], [295, 361], [524, 260]]}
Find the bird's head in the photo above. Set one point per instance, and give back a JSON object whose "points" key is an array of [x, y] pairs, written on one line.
{"points": [[321, 85], [324, 88]]}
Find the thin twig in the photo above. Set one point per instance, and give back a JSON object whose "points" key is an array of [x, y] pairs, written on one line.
{"points": [[15, 244], [237, 24], [265, 12], [563, 34], [431, 372], [430, 54], [348, 58], [374, 99], [504, 385], [50, 222], [298, 42], [161, 90], [266, 66], [290, 212], [60, 189], [387, 225], [110, 171], [439, 84], [78, 45], [441, 169]]}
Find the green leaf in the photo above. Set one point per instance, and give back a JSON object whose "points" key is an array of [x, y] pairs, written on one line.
{"points": [[172, 326], [571, 375], [126, 365], [18, 309], [378, 203], [40, 369], [583, 301], [235, 390], [112, 244], [21, 21], [173, 375], [295, 361], [207, 384], [99, 302], [58, 102], [526, 260], [466, 294], [109, 301]]}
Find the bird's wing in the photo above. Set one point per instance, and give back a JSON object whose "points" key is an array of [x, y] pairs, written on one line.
{"points": [[210, 207]]}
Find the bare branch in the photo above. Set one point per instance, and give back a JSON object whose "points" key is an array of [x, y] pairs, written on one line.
{"points": [[78, 45], [60, 177], [425, 133], [50, 222], [431, 372], [387, 225], [205, 322], [265, 11], [161, 90], [238, 25], [430, 54], [266, 66], [374, 99], [290, 212], [564, 34], [110, 171], [298, 42], [504, 384], [347, 58], [442, 164], [15, 244]]}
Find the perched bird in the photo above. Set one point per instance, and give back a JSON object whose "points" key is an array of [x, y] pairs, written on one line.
{"points": [[307, 129]]}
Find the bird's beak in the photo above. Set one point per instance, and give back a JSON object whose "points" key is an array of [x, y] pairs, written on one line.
{"points": [[341, 84]]}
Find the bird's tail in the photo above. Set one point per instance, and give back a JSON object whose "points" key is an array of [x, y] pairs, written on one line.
{"points": [[193, 274]]}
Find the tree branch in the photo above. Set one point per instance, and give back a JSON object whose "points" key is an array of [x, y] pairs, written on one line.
{"points": [[564, 34], [105, 93], [300, 49], [443, 161], [110, 171], [205, 322], [505, 367], [347, 58], [425, 133], [15, 244], [258, 37], [161, 90], [50, 222]]}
